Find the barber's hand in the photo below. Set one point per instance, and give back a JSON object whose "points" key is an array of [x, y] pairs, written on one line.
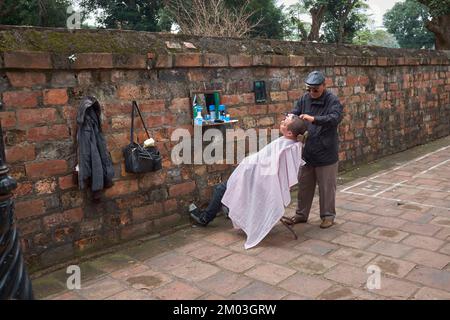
{"points": [[307, 118]]}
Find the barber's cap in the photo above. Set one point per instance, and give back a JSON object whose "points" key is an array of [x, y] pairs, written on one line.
{"points": [[315, 78]]}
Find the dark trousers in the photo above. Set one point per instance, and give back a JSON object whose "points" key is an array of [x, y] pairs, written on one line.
{"points": [[325, 177], [216, 202]]}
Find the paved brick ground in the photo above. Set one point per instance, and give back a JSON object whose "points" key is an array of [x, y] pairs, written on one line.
{"points": [[397, 219]]}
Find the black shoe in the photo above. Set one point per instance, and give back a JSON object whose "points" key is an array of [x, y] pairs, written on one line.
{"points": [[198, 216]]}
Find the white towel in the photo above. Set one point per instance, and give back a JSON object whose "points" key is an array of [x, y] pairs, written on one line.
{"points": [[259, 188]]}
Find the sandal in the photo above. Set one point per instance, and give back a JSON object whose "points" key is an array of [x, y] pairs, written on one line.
{"points": [[293, 220]]}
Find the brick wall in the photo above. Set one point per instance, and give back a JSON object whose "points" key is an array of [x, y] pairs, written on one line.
{"points": [[393, 100]]}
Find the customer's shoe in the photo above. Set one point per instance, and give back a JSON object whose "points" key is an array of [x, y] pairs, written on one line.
{"points": [[326, 223], [198, 216]]}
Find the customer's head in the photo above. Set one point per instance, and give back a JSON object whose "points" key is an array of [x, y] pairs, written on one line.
{"points": [[292, 126], [315, 84]]}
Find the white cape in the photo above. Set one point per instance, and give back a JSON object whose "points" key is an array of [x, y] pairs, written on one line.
{"points": [[259, 188]]}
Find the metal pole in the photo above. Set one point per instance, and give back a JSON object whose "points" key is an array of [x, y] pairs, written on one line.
{"points": [[14, 281]]}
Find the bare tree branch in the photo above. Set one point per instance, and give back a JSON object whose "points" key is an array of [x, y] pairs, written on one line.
{"points": [[211, 18]]}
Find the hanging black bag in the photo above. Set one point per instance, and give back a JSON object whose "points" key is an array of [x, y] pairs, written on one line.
{"points": [[137, 158]]}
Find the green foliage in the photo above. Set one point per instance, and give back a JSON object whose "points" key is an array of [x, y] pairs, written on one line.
{"points": [[42, 13], [356, 20], [437, 8], [140, 15], [270, 16], [406, 21], [295, 28], [378, 37]]}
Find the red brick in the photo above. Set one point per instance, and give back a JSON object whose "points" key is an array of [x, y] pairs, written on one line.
{"points": [[267, 121], [146, 212], [55, 96], [21, 99], [280, 61], [93, 61], [215, 60], [8, 119], [157, 121], [30, 208], [296, 61], [182, 189], [130, 61], [257, 109], [152, 105], [27, 60], [132, 92], [237, 112], [36, 116], [279, 108], [294, 95], [188, 60], [23, 189], [47, 168], [121, 188], [279, 96], [382, 61], [170, 205], [56, 132], [66, 182], [261, 60], [63, 218], [164, 61], [248, 98], [26, 79], [241, 60], [230, 99], [30, 227], [20, 153], [180, 104]]}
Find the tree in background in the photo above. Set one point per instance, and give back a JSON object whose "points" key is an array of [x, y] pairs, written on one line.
{"points": [[378, 37], [343, 19], [339, 19], [266, 16], [211, 18], [41, 13], [406, 21], [440, 22], [140, 15], [296, 28]]}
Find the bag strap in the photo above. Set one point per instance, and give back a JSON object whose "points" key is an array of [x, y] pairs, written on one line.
{"points": [[135, 106]]}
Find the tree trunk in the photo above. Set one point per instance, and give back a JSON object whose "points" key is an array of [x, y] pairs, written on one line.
{"points": [[343, 19], [317, 15], [440, 26]]}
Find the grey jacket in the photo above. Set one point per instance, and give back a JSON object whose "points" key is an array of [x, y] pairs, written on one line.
{"points": [[322, 145], [94, 160]]}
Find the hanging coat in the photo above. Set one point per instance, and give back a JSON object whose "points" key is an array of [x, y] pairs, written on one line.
{"points": [[94, 160], [258, 190]]}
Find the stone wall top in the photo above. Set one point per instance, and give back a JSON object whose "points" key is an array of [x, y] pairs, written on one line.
{"points": [[230, 51]]}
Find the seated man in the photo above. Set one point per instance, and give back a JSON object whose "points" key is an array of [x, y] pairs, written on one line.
{"points": [[259, 188]]}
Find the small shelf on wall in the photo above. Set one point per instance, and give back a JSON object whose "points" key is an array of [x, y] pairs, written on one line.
{"points": [[211, 124]]}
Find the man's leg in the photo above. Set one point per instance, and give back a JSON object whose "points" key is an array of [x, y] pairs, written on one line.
{"points": [[208, 215], [326, 178], [216, 202], [306, 189]]}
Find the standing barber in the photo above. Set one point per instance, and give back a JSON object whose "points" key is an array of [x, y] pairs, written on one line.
{"points": [[323, 112]]}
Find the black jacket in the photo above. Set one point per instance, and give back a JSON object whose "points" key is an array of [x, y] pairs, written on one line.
{"points": [[321, 148], [94, 160]]}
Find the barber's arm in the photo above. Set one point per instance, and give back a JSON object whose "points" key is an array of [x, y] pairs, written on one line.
{"points": [[298, 107], [331, 119]]}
